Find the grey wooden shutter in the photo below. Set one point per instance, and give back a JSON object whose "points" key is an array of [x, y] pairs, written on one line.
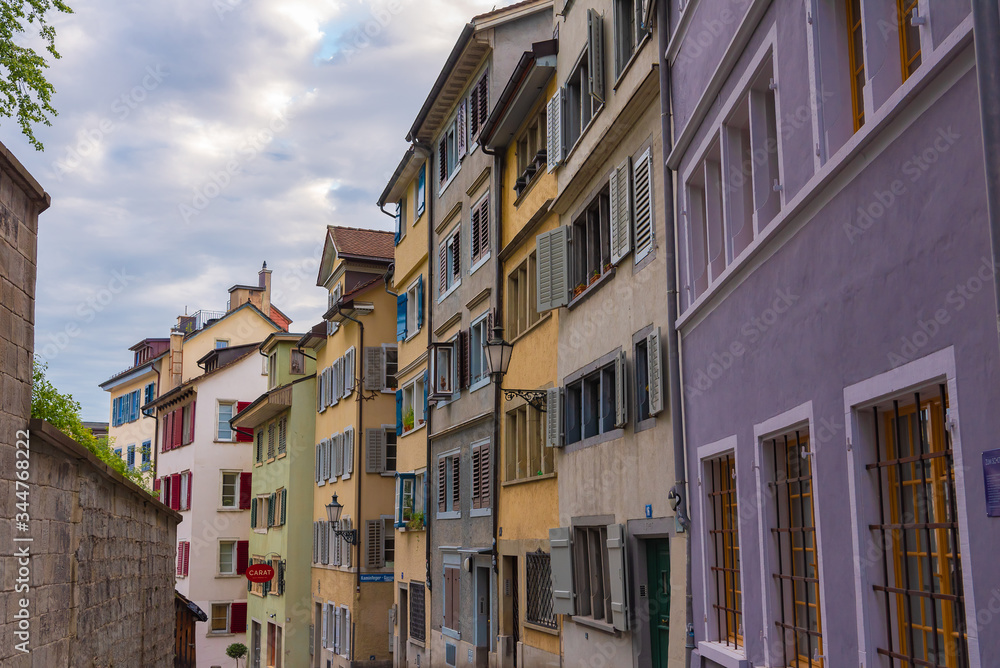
{"points": [[336, 630], [323, 630], [330, 464], [337, 386], [595, 53], [621, 212], [561, 559], [325, 543], [319, 392], [347, 524], [315, 542], [642, 173], [336, 544], [456, 477], [374, 450], [337, 455], [617, 575], [319, 462], [373, 539], [477, 477], [349, 371], [621, 396], [347, 632], [349, 451], [553, 417], [555, 144], [654, 371], [442, 485], [374, 368], [552, 270], [324, 458]]}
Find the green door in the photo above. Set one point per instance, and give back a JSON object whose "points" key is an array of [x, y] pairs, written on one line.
{"points": [[658, 572]]}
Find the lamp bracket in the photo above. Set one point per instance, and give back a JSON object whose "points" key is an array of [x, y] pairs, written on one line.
{"points": [[535, 398], [350, 535]]}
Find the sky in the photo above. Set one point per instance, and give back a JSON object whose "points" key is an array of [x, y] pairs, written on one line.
{"points": [[197, 139]]}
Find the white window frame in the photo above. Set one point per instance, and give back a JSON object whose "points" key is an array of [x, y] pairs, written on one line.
{"points": [[218, 420], [262, 501], [477, 382], [413, 397], [236, 489], [385, 367], [229, 618], [224, 342], [432, 371], [413, 325], [218, 557]]}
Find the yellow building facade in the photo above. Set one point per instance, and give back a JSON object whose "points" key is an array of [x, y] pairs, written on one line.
{"points": [[407, 192], [355, 462], [528, 502]]}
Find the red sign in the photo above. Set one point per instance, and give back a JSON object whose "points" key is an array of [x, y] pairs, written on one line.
{"points": [[260, 573]]}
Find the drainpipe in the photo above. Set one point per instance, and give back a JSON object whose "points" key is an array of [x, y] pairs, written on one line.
{"points": [[156, 425], [986, 28], [678, 493], [425, 150], [359, 434]]}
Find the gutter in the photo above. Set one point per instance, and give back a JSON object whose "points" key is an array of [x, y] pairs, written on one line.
{"points": [[449, 65], [986, 30], [156, 426], [678, 493]]}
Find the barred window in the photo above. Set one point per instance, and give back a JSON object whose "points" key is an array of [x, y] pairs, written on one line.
{"points": [[538, 573], [921, 589], [727, 603], [417, 619]]}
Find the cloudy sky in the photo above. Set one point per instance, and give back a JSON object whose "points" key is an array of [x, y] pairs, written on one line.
{"points": [[198, 138]]}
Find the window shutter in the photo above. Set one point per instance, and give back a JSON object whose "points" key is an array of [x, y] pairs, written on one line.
{"points": [[180, 558], [373, 541], [456, 254], [477, 479], [330, 461], [553, 120], [315, 542], [443, 160], [323, 633], [346, 642], [319, 461], [621, 397], [319, 392], [552, 269], [338, 454], [466, 357], [349, 451], [191, 432], [621, 218], [156, 485], [284, 503], [654, 372], [238, 617], [420, 302], [442, 485], [242, 555], [187, 502], [484, 97], [347, 526], [178, 428], [374, 450], [350, 368], [617, 565], [485, 479], [461, 128], [561, 559], [175, 491], [474, 222], [324, 542], [187, 557], [270, 510], [553, 417], [401, 317], [253, 514], [443, 268], [399, 219], [374, 368], [427, 384], [595, 54], [246, 485], [421, 189], [456, 478], [642, 179], [474, 115], [484, 227]]}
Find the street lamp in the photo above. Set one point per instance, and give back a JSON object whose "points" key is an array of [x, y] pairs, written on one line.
{"points": [[498, 358], [333, 511]]}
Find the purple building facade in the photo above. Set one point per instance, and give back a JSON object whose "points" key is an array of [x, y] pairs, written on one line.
{"points": [[839, 354]]}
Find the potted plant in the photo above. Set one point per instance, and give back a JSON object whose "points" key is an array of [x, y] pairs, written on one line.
{"points": [[607, 267], [416, 521], [578, 290], [408, 419], [236, 651], [595, 276]]}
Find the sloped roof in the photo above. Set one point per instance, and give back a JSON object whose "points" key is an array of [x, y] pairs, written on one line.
{"points": [[355, 242], [501, 10]]}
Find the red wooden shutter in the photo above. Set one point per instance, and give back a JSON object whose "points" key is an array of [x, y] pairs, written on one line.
{"points": [[188, 500], [187, 557], [242, 555], [177, 428], [166, 432], [245, 488], [180, 558], [244, 435], [156, 485], [238, 617], [191, 426], [175, 491]]}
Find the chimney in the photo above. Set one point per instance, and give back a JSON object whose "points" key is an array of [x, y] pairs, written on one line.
{"points": [[176, 369], [264, 281]]}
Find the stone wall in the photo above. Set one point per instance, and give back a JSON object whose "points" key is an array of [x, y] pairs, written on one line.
{"points": [[101, 566]]}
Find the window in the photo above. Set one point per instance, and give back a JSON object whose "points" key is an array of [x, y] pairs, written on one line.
{"points": [[390, 450], [414, 404], [591, 245], [724, 539], [261, 513], [794, 536], [909, 36], [526, 453], [125, 409], [230, 490], [584, 88], [449, 262], [229, 617], [410, 311], [629, 32], [648, 376], [479, 334], [479, 231], [226, 410], [150, 393], [259, 447], [270, 441], [531, 151], [221, 343], [410, 491], [400, 220], [185, 491], [296, 362], [522, 301], [227, 557], [131, 457], [921, 573], [595, 403], [147, 447], [332, 300], [449, 477], [479, 105], [183, 558], [452, 590], [482, 482], [452, 145], [418, 622], [375, 543], [381, 364], [856, 59], [443, 370], [282, 435], [271, 640], [220, 618], [538, 574], [590, 560], [388, 543], [380, 450]]}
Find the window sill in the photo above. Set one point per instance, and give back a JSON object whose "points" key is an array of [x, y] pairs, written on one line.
{"points": [[591, 441], [480, 512], [479, 263], [644, 425], [221, 634], [630, 62], [270, 459], [457, 635], [220, 441], [451, 177], [257, 465], [722, 655], [593, 287], [417, 643], [522, 481], [449, 515], [540, 628], [282, 455], [447, 293], [595, 624], [410, 337], [535, 178], [532, 327], [479, 384], [387, 474], [260, 531], [226, 576], [321, 483], [413, 429], [231, 510]]}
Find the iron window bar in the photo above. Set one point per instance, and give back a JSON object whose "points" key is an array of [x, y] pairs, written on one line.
{"points": [[936, 559], [538, 574], [725, 540]]}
